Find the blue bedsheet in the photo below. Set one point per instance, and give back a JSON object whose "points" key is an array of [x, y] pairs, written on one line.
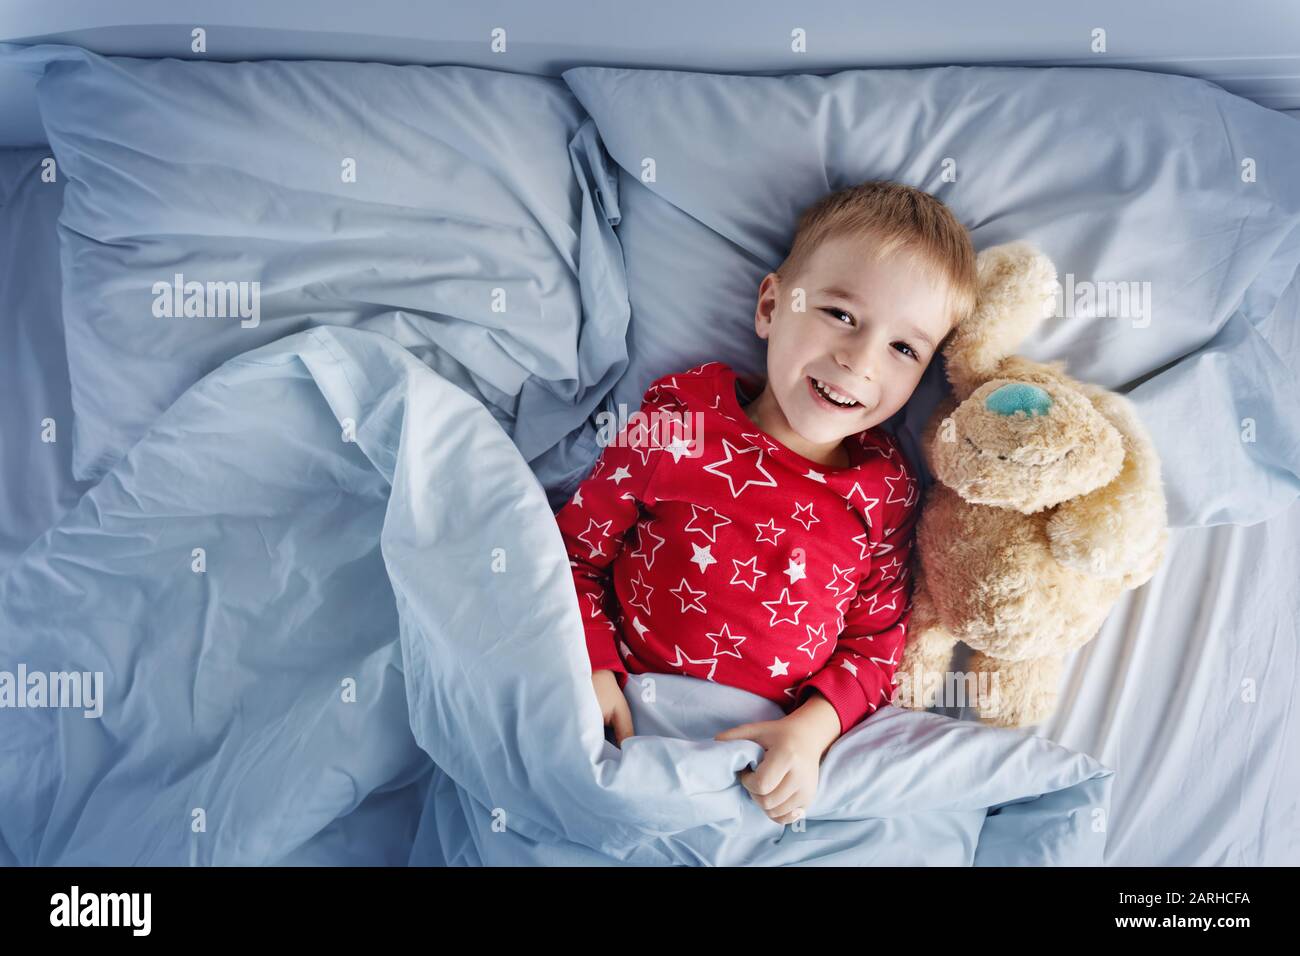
{"points": [[326, 587]]}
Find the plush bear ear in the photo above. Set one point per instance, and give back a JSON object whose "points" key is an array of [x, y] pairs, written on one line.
{"points": [[1017, 290]]}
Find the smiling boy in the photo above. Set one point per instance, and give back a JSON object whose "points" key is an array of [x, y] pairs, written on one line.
{"points": [[774, 555]]}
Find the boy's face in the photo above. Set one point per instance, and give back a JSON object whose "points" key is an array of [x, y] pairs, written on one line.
{"points": [[868, 329]]}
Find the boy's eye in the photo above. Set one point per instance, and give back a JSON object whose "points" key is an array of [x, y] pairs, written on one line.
{"points": [[836, 313]]}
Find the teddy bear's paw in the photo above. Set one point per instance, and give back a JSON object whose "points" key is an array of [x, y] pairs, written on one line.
{"points": [[1154, 559], [1004, 711], [927, 658], [1016, 693], [912, 693], [1017, 272]]}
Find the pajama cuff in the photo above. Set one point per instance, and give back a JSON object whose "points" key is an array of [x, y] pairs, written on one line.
{"points": [[603, 653], [843, 691]]}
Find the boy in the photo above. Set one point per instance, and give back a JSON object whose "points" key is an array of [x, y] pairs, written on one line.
{"points": [[771, 551]]}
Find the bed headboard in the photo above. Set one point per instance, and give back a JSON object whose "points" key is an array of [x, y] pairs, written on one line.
{"points": [[1251, 47]]}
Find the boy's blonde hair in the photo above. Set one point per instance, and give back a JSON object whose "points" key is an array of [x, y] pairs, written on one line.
{"points": [[899, 218]]}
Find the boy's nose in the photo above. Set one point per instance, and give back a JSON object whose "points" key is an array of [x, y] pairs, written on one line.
{"points": [[1018, 397]]}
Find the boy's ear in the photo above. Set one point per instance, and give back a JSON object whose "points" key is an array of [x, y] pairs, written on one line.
{"points": [[1017, 291], [768, 290]]}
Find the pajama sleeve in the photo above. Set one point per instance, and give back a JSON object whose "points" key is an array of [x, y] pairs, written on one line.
{"points": [[859, 676], [595, 520]]}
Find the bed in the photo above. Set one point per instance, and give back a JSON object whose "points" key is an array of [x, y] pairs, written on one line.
{"points": [[1184, 700]]}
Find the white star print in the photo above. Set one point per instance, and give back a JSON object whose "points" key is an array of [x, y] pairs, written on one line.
{"points": [[678, 447], [817, 634], [784, 602], [778, 667], [760, 438], [816, 476], [595, 526], [577, 497], [684, 591], [884, 449], [640, 628], [639, 440], [795, 571], [895, 563], [682, 660], [842, 575], [770, 525], [637, 599], [734, 457], [849, 666], [619, 474], [752, 564], [876, 606], [867, 503], [712, 519], [801, 509], [644, 536], [889, 482], [727, 636], [862, 542], [887, 661], [674, 424], [703, 556]]}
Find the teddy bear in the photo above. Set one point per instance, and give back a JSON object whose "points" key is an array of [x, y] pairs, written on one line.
{"points": [[1047, 505]]}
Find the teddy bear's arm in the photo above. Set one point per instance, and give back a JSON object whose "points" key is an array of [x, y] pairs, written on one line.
{"points": [[1017, 291], [1016, 693], [1120, 529]]}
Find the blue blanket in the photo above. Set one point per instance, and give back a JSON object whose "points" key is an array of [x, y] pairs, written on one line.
{"points": [[334, 622]]}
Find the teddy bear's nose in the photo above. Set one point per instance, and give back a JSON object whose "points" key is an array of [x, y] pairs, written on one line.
{"points": [[1018, 397]]}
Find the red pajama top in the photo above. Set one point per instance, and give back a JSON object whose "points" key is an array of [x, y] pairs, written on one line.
{"points": [[702, 546]]}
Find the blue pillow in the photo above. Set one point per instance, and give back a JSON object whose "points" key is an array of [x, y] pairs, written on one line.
{"points": [[1167, 184], [36, 487], [464, 212]]}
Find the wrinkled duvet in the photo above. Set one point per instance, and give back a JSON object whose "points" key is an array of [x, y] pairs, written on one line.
{"points": [[333, 621]]}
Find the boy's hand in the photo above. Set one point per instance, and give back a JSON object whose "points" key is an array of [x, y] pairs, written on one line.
{"points": [[785, 781], [614, 710]]}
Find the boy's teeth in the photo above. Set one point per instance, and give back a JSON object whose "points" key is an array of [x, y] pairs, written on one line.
{"points": [[833, 395]]}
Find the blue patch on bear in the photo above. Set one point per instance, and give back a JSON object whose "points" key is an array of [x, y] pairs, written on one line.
{"points": [[1018, 397]]}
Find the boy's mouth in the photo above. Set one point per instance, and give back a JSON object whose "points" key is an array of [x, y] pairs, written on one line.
{"points": [[829, 398]]}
